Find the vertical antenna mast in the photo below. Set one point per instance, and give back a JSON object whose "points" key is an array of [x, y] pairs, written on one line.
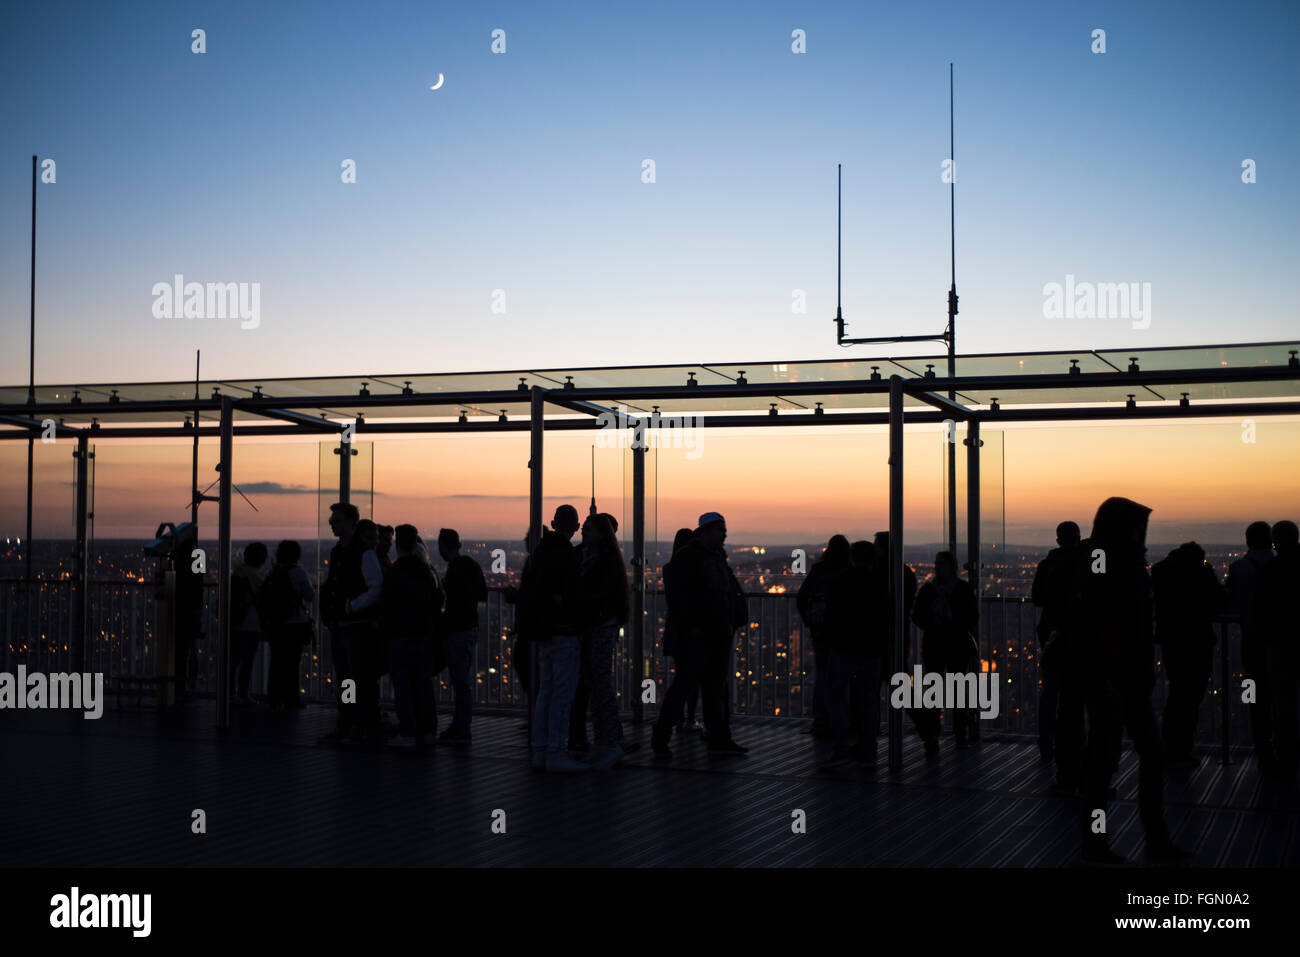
{"points": [[839, 230], [195, 494], [952, 233], [593, 480]]}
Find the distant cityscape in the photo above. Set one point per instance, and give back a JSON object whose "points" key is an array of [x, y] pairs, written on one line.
{"points": [[1007, 572]]}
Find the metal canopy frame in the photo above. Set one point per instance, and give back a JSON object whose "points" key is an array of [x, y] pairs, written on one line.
{"points": [[934, 400]]}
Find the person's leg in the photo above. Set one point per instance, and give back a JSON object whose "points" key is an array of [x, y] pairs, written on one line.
{"points": [[1140, 722], [460, 666], [366, 648], [344, 671], [1104, 713], [1180, 680], [868, 671], [1254, 663], [566, 663], [578, 705], [542, 702], [1049, 698], [426, 707], [401, 673], [927, 719], [600, 686], [245, 652], [715, 657], [821, 684], [1282, 685], [277, 681], [836, 675]]}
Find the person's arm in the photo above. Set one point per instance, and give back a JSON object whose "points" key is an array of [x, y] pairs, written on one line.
{"points": [[374, 576], [1038, 590]]}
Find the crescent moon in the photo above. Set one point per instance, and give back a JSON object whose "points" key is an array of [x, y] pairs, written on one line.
{"points": [[438, 84]]}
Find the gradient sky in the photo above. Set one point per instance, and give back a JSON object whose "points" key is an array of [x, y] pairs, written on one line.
{"points": [[523, 173]]}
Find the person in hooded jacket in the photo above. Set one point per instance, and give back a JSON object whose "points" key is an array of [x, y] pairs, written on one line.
{"points": [[1110, 651], [1188, 598]]}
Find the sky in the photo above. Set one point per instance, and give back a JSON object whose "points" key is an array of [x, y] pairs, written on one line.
{"points": [[520, 183]]}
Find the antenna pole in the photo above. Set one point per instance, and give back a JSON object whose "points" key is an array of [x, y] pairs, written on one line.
{"points": [[839, 233], [952, 322], [593, 480], [195, 495], [31, 399]]}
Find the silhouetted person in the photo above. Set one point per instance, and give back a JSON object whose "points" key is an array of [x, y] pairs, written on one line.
{"points": [[1187, 600], [245, 581], [351, 600], [384, 548], [856, 603], [813, 601], [549, 596], [1110, 645], [685, 684], [1279, 590], [1243, 587], [707, 608], [288, 597], [465, 588], [410, 603], [947, 613], [603, 600], [1051, 592]]}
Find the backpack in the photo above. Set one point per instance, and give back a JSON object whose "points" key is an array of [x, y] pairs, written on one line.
{"points": [[276, 599]]}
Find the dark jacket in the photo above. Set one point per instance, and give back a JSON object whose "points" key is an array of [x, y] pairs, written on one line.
{"points": [[1051, 589], [858, 611], [948, 622], [1275, 608], [1109, 622], [602, 589], [343, 582], [548, 590], [465, 588], [1188, 597], [411, 600], [814, 598], [706, 601]]}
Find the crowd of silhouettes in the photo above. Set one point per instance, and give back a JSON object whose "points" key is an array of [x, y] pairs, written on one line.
{"points": [[1103, 614]]}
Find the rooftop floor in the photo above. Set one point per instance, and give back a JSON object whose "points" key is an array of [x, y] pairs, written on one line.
{"points": [[120, 791]]}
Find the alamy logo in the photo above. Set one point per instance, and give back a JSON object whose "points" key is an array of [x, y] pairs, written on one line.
{"points": [[952, 690], [39, 691], [653, 431], [1103, 300], [214, 300], [102, 910]]}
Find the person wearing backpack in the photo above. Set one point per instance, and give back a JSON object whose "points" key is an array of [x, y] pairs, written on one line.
{"points": [[285, 601], [349, 608], [246, 626]]}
